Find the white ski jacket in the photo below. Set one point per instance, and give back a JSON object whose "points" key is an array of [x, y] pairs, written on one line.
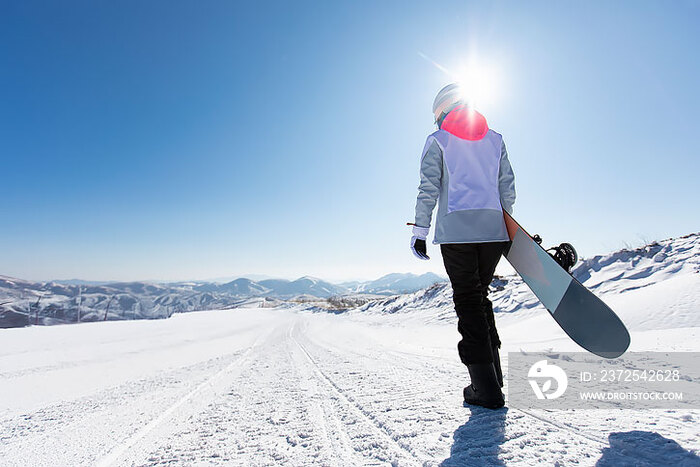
{"points": [[465, 170]]}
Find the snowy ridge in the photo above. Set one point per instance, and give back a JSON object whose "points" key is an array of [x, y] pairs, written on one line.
{"points": [[434, 304], [627, 270], [395, 283], [653, 287]]}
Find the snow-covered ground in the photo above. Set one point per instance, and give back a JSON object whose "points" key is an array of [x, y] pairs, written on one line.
{"points": [[278, 387], [379, 385]]}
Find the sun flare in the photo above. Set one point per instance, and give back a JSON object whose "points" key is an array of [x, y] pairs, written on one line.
{"points": [[480, 83]]}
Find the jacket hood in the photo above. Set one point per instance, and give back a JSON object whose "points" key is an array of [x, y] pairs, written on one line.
{"points": [[465, 123]]}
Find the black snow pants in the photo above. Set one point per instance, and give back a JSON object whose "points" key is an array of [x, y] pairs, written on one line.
{"points": [[470, 267]]}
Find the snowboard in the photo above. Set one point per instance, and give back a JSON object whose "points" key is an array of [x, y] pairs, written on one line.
{"points": [[582, 315]]}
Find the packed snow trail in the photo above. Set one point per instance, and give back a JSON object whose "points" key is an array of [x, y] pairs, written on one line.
{"points": [[274, 387]]}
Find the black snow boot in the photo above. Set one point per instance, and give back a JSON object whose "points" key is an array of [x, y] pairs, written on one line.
{"points": [[497, 364], [484, 390]]}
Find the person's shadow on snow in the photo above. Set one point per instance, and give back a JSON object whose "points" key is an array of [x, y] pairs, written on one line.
{"points": [[645, 448], [478, 441]]}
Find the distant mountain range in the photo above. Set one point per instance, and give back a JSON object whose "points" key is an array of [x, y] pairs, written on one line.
{"points": [[671, 266], [25, 302]]}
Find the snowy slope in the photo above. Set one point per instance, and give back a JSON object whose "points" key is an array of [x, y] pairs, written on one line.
{"points": [[270, 387]]}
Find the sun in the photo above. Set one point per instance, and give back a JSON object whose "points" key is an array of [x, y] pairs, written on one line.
{"points": [[479, 84]]}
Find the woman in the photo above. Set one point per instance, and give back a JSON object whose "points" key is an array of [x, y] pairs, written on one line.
{"points": [[465, 170]]}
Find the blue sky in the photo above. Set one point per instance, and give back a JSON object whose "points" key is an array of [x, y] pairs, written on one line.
{"points": [[192, 140]]}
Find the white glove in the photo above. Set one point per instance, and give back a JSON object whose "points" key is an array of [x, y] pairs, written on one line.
{"points": [[418, 246]]}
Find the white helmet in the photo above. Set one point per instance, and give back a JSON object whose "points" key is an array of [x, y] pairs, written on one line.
{"points": [[446, 98]]}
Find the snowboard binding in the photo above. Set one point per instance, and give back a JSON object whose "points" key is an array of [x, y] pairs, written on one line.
{"points": [[565, 254]]}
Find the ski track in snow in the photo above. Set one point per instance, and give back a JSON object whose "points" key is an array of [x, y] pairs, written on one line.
{"points": [[280, 412], [428, 422], [590, 427], [298, 389]]}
